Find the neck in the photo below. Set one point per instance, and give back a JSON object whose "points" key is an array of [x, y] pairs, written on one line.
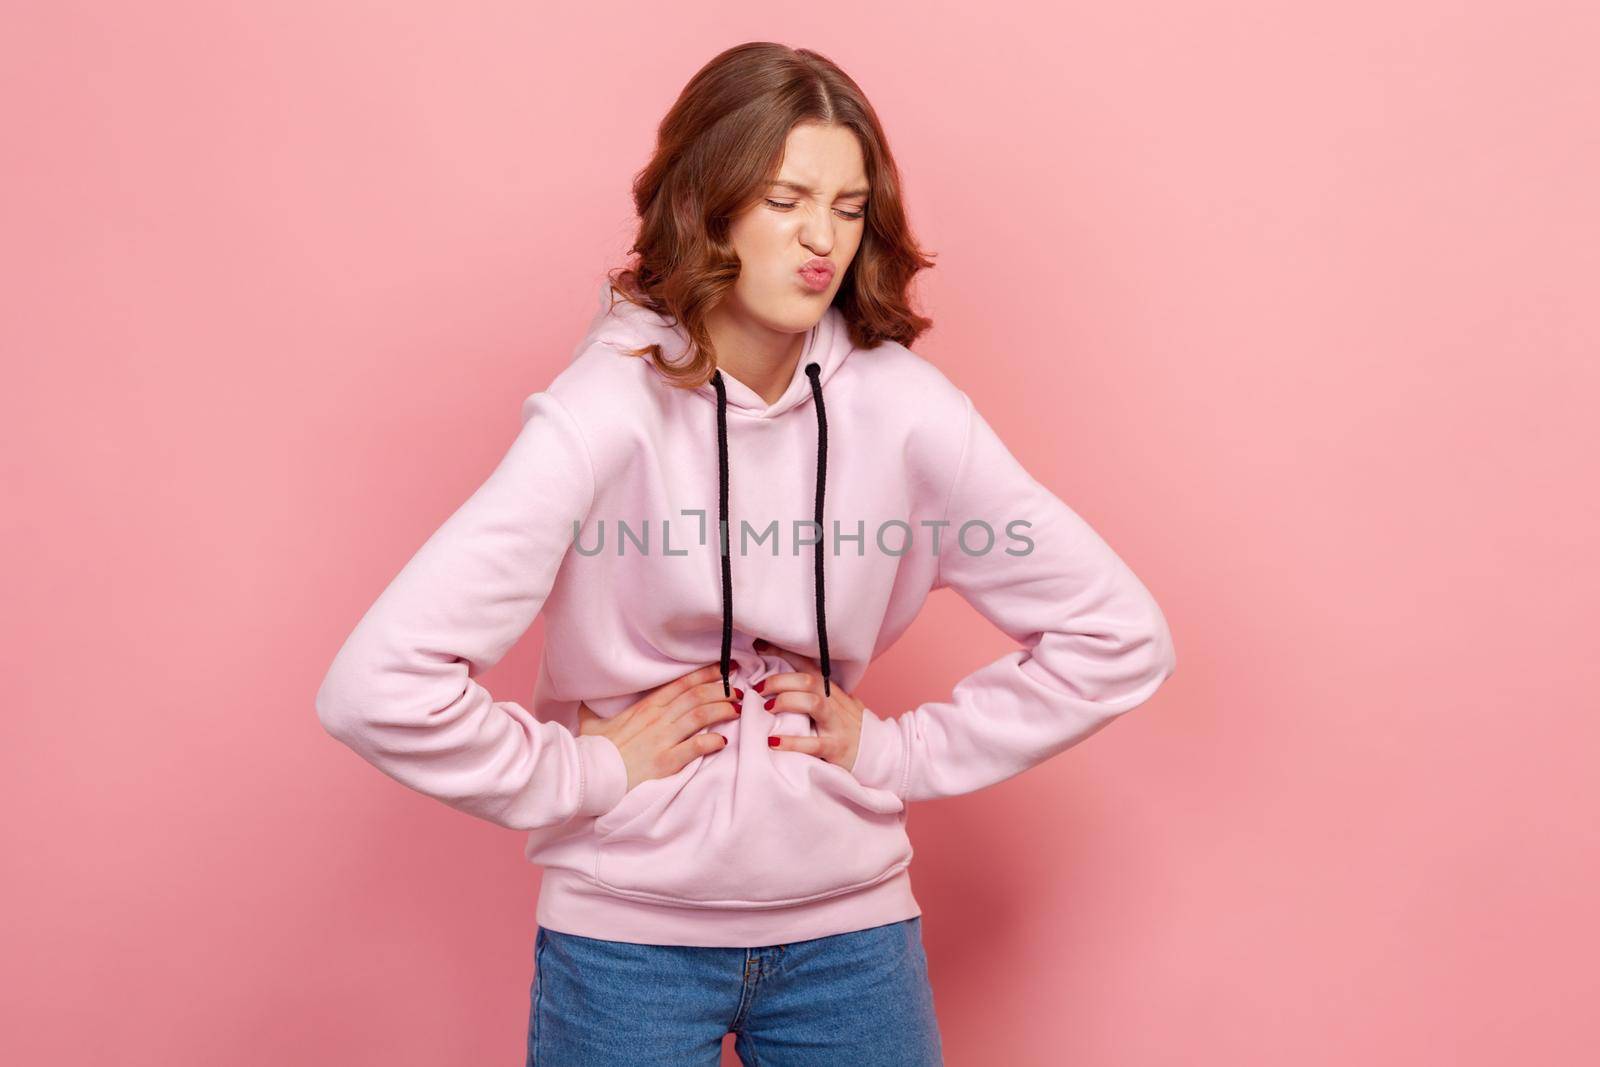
{"points": [[762, 358]]}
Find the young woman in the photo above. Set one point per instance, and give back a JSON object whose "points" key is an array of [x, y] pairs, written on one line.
{"points": [[738, 493]]}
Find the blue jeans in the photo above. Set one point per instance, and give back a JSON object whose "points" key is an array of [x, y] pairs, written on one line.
{"points": [[860, 998]]}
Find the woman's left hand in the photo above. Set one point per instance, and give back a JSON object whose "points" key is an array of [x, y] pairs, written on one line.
{"points": [[838, 716]]}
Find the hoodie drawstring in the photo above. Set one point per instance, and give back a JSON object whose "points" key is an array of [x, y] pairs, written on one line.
{"points": [[722, 527], [822, 481], [812, 371]]}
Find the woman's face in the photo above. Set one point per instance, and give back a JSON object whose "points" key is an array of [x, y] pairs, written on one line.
{"points": [[814, 209]]}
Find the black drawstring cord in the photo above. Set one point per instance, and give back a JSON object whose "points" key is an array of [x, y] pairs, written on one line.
{"points": [[722, 525], [813, 371]]}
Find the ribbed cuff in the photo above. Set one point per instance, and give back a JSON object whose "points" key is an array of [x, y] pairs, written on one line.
{"points": [[605, 776], [880, 753]]}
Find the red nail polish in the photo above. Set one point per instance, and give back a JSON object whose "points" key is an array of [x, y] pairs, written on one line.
{"points": [[739, 693], [760, 684], [768, 704], [772, 741]]}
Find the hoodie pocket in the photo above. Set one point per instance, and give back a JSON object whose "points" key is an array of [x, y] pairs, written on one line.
{"points": [[751, 827]]}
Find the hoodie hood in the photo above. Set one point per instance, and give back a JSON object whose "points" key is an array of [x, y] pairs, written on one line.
{"points": [[625, 325]]}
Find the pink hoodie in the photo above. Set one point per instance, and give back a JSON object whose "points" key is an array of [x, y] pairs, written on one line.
{"points": [[749, 845]]}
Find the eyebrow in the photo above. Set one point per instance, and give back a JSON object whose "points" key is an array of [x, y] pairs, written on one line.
{"points": [[806, 189]]}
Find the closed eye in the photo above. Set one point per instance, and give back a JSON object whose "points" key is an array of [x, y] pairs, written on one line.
{"points": [[785, 205]]}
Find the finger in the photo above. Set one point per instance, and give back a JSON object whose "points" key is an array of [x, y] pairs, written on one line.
{"points": [[692, 722], [704, 693], [789, 681], [797, 691], [806, 702], [796, 743], [666, 694], [699, 745]]}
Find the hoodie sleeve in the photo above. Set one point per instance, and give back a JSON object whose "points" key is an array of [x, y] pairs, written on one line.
{"points": [[1094, 642], [402, 690]]}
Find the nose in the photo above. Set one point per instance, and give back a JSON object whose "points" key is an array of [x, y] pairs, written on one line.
{"points": [[817, 236]]}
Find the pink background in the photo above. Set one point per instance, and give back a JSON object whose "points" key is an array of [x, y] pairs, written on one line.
{"points": [[1297, 307]]}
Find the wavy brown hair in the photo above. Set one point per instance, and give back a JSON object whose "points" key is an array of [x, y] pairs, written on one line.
{"points": [[716, 151]]}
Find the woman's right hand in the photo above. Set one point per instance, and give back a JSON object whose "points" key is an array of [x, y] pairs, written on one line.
{"points": [[659, 733]]}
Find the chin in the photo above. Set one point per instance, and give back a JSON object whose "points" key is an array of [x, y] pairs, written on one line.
{"points": [[788, 314]]}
